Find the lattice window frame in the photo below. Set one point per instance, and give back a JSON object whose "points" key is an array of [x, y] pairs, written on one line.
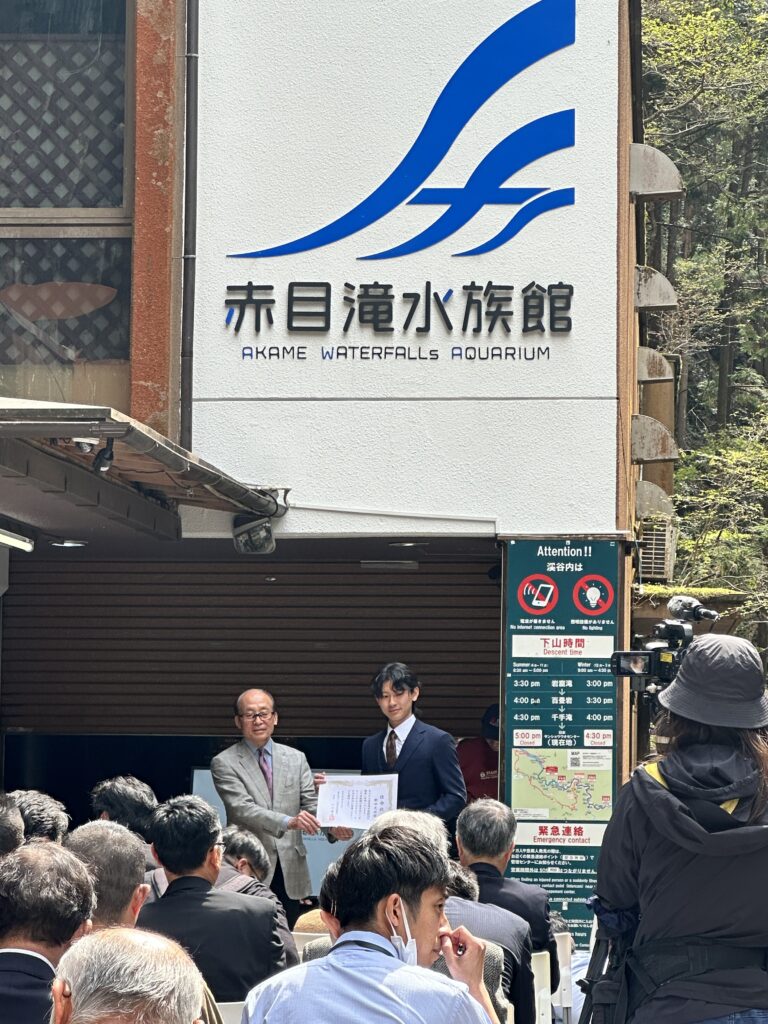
{"points": [[102, 222], [101, 335], [21, 219]]}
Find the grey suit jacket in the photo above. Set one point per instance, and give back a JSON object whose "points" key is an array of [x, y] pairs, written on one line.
{"points": [[240, 784], [513, 935]]}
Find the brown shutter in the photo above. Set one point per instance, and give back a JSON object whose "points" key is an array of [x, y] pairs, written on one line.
{"points": [[141, 648]]}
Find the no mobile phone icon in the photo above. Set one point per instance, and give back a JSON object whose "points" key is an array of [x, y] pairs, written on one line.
{"points": [[543, 595]]}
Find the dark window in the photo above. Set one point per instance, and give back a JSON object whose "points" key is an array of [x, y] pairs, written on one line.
{"points": [[62, 103], [64, 301]]}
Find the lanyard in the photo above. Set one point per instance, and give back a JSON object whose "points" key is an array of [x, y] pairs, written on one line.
{"points": [[363, 945]]}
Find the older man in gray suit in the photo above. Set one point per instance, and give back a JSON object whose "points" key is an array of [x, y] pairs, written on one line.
{"points": [[268, 788]]}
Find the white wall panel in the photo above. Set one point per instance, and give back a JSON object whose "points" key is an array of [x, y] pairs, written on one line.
{"points": [[305, 109]]}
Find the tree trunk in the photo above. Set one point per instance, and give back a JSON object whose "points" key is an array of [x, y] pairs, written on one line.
{"points": [[681, 420], [730, 332], [725, 362], [654, 240], [673, 233]]}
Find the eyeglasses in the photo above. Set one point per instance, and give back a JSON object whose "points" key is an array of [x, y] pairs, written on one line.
{"points": [[253, 716]]}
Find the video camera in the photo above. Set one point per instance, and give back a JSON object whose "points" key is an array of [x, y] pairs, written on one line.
{"points": [[655, 665]]}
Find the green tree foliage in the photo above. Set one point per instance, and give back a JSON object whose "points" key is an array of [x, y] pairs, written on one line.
{"points": [[706, 105], [722, 498], [705, 79]]}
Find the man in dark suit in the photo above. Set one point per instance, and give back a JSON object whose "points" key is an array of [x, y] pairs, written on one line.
{"points": [[233, 938], [494, 924], [130, 802], [46, 903], [44, 817], [233, 879], [485, 836], [115, 858], [423, 757]]}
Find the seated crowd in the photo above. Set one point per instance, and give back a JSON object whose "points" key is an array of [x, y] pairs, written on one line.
{"points": [[153, 914]]}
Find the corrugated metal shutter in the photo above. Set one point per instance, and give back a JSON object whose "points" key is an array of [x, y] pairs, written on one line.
{"points": [[150, 648]]}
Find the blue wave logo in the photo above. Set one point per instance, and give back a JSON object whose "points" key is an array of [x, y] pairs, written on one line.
{"points": [[537, 32]]}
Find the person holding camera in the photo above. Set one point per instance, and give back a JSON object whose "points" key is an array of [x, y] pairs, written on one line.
{"points": [[684, 861]]}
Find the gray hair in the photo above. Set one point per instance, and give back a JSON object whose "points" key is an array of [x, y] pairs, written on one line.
{"points": [[11, 825], [486, 828], [428, 825], [463, 883], [117, 862], [131, 975]]}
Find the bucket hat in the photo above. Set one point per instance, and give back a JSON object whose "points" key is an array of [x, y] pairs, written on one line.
{"points": [[720, 682]]}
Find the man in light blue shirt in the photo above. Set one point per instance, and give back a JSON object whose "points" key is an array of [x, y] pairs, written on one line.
{"points": [[389, 896]]}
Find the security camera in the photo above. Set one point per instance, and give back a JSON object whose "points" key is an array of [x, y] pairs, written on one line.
{"points": [[253, 536]]}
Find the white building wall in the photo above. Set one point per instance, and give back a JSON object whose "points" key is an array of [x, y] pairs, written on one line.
{"points": [[304, 109]]}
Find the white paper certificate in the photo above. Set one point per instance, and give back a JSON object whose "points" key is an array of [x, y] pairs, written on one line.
{"points": [[355, 800]]}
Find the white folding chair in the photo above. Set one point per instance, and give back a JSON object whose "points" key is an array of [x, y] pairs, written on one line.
{"points": [[302, 938], [542, 990], [231, 1013], [563, 997]]}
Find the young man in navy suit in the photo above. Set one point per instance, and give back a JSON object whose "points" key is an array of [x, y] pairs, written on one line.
{"points": [[423, 757]]}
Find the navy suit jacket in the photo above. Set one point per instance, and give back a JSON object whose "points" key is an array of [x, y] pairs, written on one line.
{"points": [[429, 777], [25, 989]]}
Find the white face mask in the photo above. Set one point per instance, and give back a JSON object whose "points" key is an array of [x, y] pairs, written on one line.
{"points": [[406, 951]]}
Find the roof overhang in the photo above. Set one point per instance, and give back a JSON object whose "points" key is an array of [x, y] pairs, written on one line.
{"points": [[48, 479]]}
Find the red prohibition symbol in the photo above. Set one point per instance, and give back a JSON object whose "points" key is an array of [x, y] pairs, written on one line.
{"points": [[537, 594], [593, 594]]}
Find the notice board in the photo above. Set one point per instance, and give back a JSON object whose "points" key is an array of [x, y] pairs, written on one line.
{"points": [[560, 712]]}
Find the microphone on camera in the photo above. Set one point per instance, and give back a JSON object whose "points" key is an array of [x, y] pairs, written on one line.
{"points": [[683, 607]]}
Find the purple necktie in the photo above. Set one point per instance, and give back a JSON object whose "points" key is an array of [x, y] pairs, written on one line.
{"points": [[266, 769]]}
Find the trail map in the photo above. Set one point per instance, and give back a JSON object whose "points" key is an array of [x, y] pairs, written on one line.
{"points": [[561, 785]]}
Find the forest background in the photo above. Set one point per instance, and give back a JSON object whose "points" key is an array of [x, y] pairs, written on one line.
{"points": [[705, 104]]}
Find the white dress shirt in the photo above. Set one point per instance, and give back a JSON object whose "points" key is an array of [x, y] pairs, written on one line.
{"points": [[29, 952], [401, 734], [355, 983]]}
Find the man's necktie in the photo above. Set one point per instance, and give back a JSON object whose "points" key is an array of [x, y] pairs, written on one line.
{"points": [[391, 751], [266, 769]]}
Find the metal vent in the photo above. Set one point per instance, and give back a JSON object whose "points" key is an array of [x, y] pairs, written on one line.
{"points": [[657, 554]]}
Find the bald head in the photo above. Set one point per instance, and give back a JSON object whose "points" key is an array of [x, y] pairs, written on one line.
{"points": [[255, 716], [248, 696], [126, 975]]}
